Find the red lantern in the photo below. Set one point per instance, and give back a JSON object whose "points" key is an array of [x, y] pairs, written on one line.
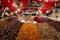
{"points": [[49, 3], [20, 12], [13, 8], [25, 3], [10, 3], [7, 3], [38, 0], [43, 10]]}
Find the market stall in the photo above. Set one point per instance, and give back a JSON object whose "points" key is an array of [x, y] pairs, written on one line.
{"points": [[29, 20]]}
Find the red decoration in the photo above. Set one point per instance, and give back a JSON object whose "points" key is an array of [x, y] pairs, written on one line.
{"points": [[13, 8], [43, 10], [38, 0], [7, 3], [25, 9], [10, 3], [20, 12], [49, 3]]}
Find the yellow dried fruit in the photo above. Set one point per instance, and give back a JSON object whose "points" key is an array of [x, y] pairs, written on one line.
{"points": [[29, 31]]}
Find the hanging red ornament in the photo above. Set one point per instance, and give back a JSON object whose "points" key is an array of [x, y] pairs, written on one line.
{"points": [[11, 4], [20, 12], [38, 1], [7, 3], [43, 10], [49, 3], [25, 8], [13, 8]]}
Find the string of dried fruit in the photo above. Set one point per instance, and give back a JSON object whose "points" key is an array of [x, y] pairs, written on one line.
{"points": [[28, 31]]}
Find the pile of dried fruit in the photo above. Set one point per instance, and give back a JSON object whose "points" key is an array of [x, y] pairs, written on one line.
{"points": [[29, 31], [48, 32], [10, 29], [55, 24]]}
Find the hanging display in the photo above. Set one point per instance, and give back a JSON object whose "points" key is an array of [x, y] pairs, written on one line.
{"points": [[10, 3]]}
